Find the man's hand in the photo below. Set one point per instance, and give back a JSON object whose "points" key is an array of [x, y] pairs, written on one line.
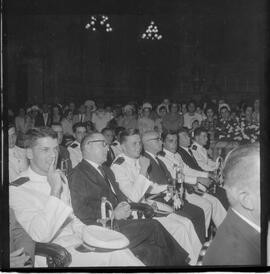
{"points": [[18, 259], [204, 181], [55, 179], [144, 164], [122, 211]]}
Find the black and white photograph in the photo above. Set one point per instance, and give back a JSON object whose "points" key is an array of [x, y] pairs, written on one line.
{"points": [[133, 134]]}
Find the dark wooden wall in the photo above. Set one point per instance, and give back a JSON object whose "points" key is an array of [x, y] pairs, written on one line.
{"points": [[208, 50]]}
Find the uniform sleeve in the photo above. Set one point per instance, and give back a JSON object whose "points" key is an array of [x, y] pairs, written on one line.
{"points": [[133, 189], [204, 162], [41, 223]]}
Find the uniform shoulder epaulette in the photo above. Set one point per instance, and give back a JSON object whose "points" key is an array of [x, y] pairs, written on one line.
{"points": [[161, 153], [73, 145], [119, 161], [114, 144], [20, 181], [194, 147]]}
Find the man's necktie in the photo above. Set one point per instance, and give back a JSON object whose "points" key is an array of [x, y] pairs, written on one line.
{"points": [[110, 156], [107, 180]]}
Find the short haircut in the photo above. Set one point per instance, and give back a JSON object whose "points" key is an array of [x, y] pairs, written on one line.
{"points": [[192, 102], [32, 135], [86, 138], [238, 170], [79, 124], [106, 129], [199, 130], [223, 108], [118, 130], [183, 130], [128, 132], [165, 133], [66, 112]]}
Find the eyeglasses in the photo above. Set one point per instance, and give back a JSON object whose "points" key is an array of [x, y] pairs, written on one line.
{"points": [[157, 139], [99, 141]]}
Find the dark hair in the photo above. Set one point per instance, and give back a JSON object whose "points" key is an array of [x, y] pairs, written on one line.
{"points": [[128, 132], [182, 130], [59, 109], [246, 106], [118, 130], [199, 130], [173, 103], [165, 133], [66, 112], [105, 129], [79, 124], [32, 135], [192, 102]]}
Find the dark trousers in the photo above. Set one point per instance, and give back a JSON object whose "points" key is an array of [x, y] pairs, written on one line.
{"points": [[152, 243], [196, 216]]}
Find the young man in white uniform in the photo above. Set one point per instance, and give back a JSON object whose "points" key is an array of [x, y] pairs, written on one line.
{"points": [[40, 199]]}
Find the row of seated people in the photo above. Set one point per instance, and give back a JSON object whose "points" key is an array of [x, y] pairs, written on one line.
{"points": [[175, 239], [226, 125]]}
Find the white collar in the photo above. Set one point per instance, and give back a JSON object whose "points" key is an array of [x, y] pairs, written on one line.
{"points": [[185, 148], [33, 176], [152, 155], [170, 154], [252, 224], [95, 165]]}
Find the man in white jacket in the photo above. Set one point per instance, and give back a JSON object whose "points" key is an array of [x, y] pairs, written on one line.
{"points": [[40, 199]]}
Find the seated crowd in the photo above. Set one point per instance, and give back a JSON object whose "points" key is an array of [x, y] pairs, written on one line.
{"points": [[195, 167]]}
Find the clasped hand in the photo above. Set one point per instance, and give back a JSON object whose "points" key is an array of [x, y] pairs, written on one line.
{"points": [[122, 211]]}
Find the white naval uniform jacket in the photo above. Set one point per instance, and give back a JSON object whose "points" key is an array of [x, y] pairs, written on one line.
{"points": [[49, 219], [134, 186], [200, 154], [75, 153], [17, 162]]}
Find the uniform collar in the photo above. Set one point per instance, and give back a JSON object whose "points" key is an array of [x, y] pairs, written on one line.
{"points": [[33, 176], [129, 159], [167, 152]]}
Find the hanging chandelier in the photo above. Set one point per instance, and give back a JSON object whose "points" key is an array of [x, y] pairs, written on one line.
{"points": [[151, 32], [99, 22]]}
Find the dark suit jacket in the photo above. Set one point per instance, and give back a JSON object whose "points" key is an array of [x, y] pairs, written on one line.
{"points": [[236, 243], [188, 159], [149, 240], [157, 173], [18, 237], [39, 121], [87, 187]]}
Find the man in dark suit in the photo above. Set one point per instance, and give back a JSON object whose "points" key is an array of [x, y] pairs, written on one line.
{"points": [[189, 159], [43, 118], [237, 241], [90, 181], [159, 174]]}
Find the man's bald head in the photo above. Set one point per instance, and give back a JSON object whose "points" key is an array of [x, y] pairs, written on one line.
{"points": [[242, 167], [242, 180], [152, 141], [94, 147]]}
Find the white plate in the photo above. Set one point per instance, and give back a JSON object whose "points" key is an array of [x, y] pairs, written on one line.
{"points": [[98, 236], [162, 208]]}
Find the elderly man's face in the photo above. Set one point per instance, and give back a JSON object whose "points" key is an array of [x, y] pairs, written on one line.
{"points": [[12, 137], [202, 138], [153, 143], [97, 147], [132, 146]]}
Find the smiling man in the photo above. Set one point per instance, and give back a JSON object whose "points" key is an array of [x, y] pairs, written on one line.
{"points": [[91, 180], [40, 199]]}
